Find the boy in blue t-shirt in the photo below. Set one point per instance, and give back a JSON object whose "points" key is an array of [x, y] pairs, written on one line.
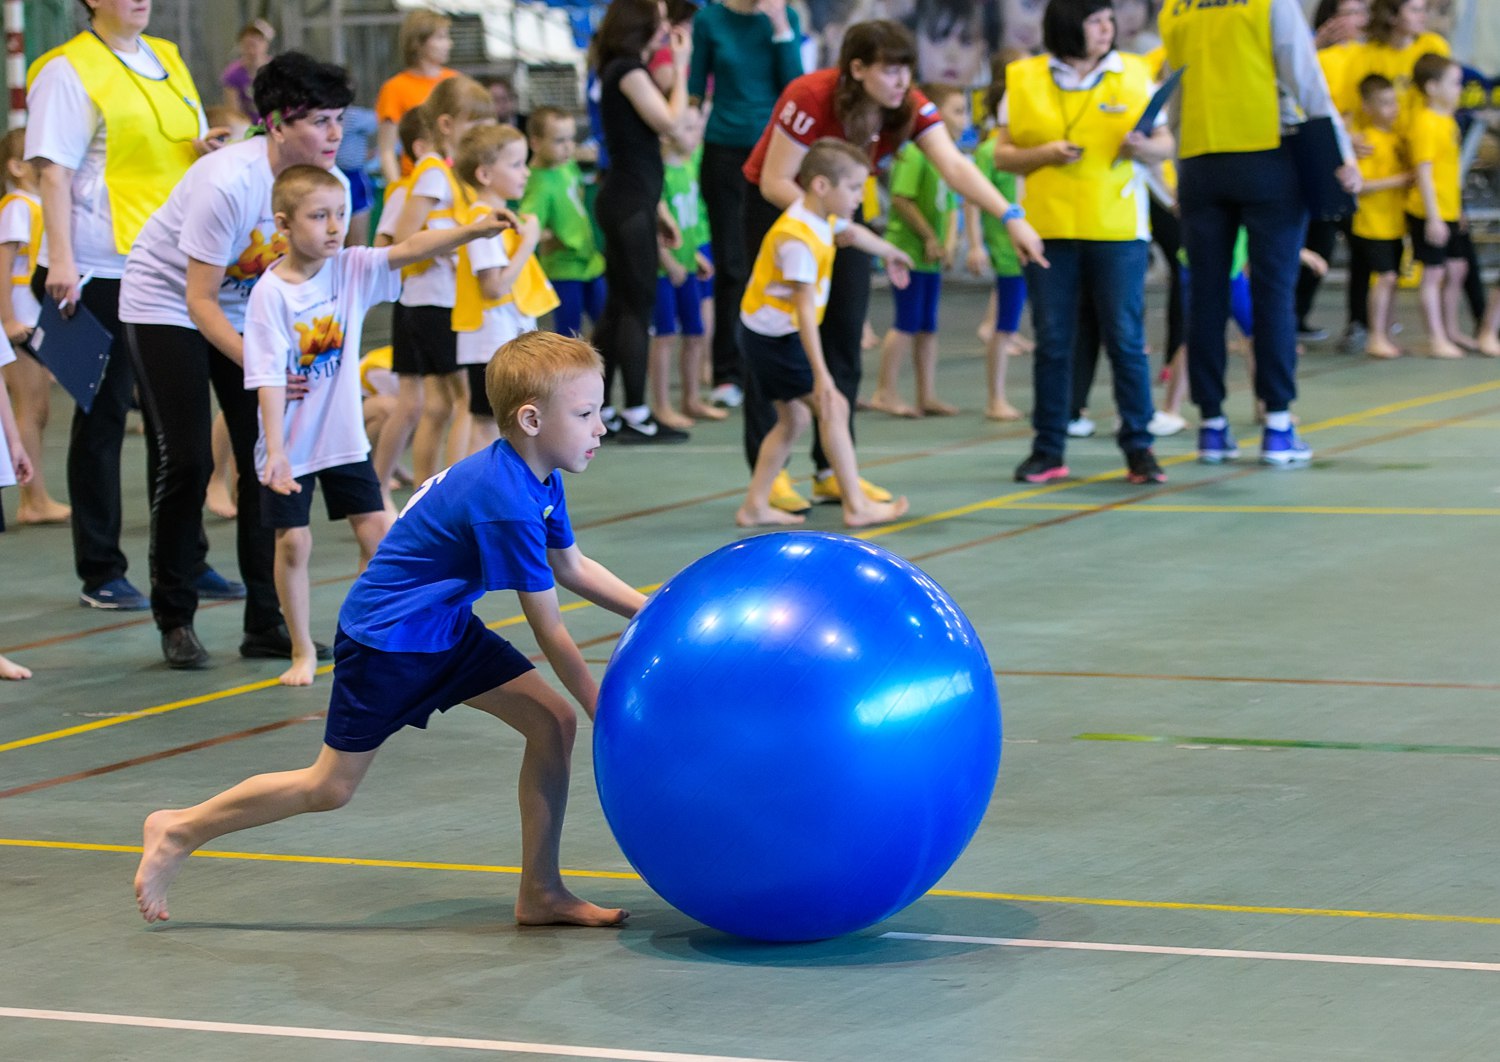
{"points": [[409, 644]]}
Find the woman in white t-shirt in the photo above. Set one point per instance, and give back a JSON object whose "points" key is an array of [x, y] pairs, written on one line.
{"points": [[92, 213], [183, 299]]}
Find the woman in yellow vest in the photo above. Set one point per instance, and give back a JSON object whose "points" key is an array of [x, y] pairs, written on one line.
{"points": [[1239, 62], [1067, 124], [115, 120]]}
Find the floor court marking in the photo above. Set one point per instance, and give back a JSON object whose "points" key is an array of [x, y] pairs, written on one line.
{"points": [[1266, 680], [1286, 743], [1255, 510], [1205, 953], [625, 875], [301, 1032], [998, 502]]}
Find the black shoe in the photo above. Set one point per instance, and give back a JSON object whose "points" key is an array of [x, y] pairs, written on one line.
{"points": [[183, 650], [648, 432], [1142, 468], [1041, 468], [1310, 333], [276, 644]]}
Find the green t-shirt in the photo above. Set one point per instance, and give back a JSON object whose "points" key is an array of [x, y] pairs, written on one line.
{"points": [[555, 196], [1003, 257], [684, 199], [914, 177]]}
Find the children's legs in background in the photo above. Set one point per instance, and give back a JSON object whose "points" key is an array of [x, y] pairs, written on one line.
{"points": [[220, 497], [378, 411], [894, 350], [369, 529], [1489, 331], [833, 427], [997, 357], [1455, 272], [483, 432], [792, 420], [444, 402], [397, 432], [293, 551], [660, 376], [457, 387], [1378, 313], [987, 325], [9, 669], [30, 386], [1431, 295], [925, 353], [691, 369]]}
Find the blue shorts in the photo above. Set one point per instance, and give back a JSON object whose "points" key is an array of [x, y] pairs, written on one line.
{"points": [[917, 303], [376, 693], [361, 191], [778, 363], [574, 299], [348, 490], [1010, 300], [679, 310], [706, 287]]}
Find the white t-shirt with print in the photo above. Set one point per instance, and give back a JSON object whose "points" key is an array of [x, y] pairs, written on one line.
{"points": [[219, 213], [15, 227], [500, 324], [435, 285], [66, 128], [7, 470], [314, 329]]}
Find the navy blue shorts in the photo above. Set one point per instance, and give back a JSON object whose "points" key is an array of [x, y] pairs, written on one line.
{"points": [[706, 287], [1010, 300], [679, 310], [348, 490], [577, 298], [778, 363], [376, 693], [917, 303]]}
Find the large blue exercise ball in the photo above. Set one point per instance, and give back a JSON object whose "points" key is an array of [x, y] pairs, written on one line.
{"points": [[796, 737]]}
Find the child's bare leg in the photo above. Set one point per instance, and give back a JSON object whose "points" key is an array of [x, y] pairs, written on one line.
{"points": [[483, 431], [30, 386], [659, 377], [997, 357], [369, 529], [792, 420], [1177, 382], [986, 327], [9, 669], [548, 723], [456, 386], [1382, 293], [221, 485], [397, 432], [172, 836], [1454, 275], [887, 396], [293, 551], [690, 370], [1489, 331], [432, 420], [925, 352], [833, 428], [1431, 297]]}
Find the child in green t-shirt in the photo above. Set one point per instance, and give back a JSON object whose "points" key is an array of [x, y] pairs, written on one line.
{"points": [[924, 224], [990, 248], [680, 291], [554, 193]]}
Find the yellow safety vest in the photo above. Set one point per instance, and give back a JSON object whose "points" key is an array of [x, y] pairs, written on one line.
{"points": [[460, 196], [1095, 197], [532, 292], [149, 125], [765, 273], [34, 246], [1229, 100]]}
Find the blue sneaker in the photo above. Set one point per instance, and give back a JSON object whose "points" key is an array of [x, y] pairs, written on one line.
{"points": [[1284, 449], [1216, 445], [116, 595], [212, 586]]}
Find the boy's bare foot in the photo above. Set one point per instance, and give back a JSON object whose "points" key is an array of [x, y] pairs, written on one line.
{"points": [[934, 408], [1022, 345], [1489, 346], [1382, 348], [50, 511], [160, 862], [1463, 342], [9, 669], [1441, 348], [403, 477], [872, 513], [562, 908], [1001, 410], [892, 405], [219, 501], [301, 672], [704, 411], [673, 419], [745, 516]]}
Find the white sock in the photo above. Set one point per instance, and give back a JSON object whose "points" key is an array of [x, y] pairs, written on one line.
{"points": [[1216, 422], [1279, 421], [637, 414]]}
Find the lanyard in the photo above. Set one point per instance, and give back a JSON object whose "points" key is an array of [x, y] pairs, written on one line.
{"points": [[135, 79]]}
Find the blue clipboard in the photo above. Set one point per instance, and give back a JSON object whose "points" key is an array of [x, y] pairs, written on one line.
{"points": [[1159, 100], [75, 349]]}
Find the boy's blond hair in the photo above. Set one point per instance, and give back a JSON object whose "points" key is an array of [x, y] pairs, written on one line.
{"points": [[528, 370], [417, 28], [296, 183], [538, 120], [830, 158], [481, 146]]}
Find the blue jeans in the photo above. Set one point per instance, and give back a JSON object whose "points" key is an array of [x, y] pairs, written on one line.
{"points": [[1116, 282], [1217, 194]]}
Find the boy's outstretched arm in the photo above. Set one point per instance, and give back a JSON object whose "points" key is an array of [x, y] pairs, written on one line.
{"points": [[544, 616], [428, 243], [594, 582]]}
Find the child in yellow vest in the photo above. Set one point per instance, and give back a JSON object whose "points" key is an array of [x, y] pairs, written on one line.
{"points": [[779, 317], [1380, 217], [434, 397], [411, 131], [501, 287], [29, 382], [1434, 205]]}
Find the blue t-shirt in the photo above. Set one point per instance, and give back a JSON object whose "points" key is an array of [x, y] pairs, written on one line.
{"points": [[484, 524]]}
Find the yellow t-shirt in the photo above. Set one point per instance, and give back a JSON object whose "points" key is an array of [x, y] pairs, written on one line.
{"points": [[1334, 61], [1381, 215], [1393, 63], [1433, 138]]}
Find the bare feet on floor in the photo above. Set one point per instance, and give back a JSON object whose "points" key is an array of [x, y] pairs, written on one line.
{"points": [[1001, 410], [1377, 348], [300, 673], [1444, 349], [50, 511], [162, 859], [1463, 342], [9, 669], [892, 405], [745, 516], [877, 513], [704, 411], [560, 907], [1489, 346], [935, 408]]}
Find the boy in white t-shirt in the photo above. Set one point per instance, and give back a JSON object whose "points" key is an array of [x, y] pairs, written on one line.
{"points": [[304, 313]]}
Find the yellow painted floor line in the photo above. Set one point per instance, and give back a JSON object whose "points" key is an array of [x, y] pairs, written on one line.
{"points": [[1148, 506], [619, 875]]}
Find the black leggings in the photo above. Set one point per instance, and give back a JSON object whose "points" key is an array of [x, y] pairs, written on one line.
{"points": [[724, 192], [623, 331]]}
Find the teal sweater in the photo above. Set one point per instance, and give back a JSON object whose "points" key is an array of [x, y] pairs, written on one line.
{"points": [[749, 71]]}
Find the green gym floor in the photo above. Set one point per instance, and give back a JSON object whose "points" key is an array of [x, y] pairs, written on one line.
{"points": [[1246, 808]]}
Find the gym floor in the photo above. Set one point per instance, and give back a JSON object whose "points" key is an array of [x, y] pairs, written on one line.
{"points": [[1245, 809]]}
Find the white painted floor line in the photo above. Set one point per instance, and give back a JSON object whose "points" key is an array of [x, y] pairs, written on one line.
{"points": [[355, 1036], [1209, 953]]}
